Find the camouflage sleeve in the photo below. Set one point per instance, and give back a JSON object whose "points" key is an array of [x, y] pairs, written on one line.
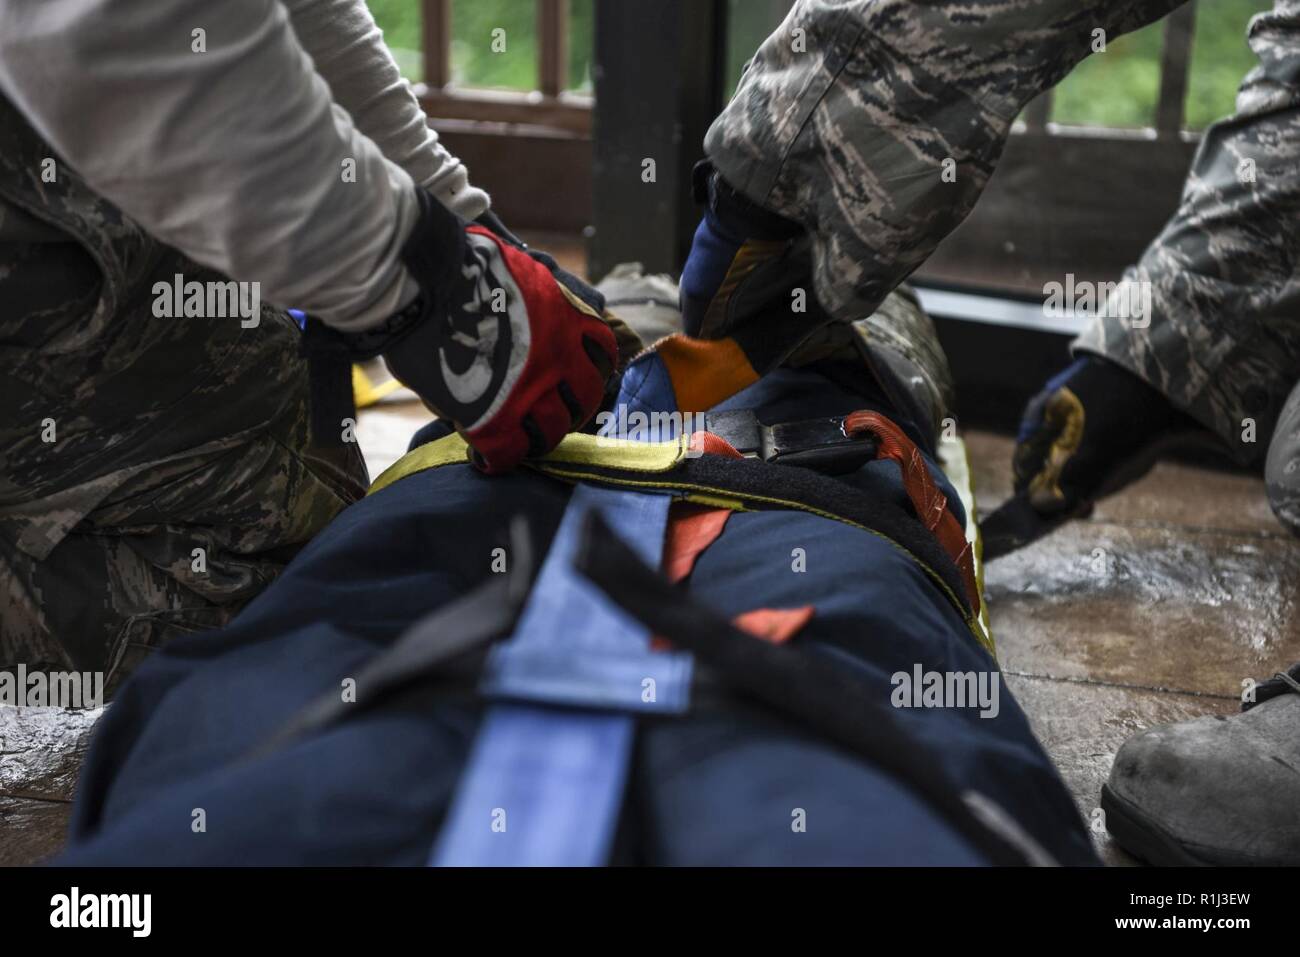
{"points": [[1222, 335], [877, 123]]}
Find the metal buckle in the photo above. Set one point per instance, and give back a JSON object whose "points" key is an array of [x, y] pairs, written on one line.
{"points": [[817, 444]]}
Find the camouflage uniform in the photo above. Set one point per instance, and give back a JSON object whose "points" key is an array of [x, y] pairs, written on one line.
{"points": [[849, 110], [169, 435]]}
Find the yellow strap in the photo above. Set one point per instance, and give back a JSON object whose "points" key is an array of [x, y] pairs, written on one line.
{"points": [[577, 448], [954, 459], [366, 393], [579, 452]]}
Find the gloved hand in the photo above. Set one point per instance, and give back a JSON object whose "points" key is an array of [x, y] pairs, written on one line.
{"points": [[507, 345], [739, 310], [1093, 428], [740, 277]]}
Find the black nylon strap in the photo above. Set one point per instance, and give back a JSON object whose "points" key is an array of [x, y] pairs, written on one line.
{"points": [[762, 485], [426, 648], [790, 679]]}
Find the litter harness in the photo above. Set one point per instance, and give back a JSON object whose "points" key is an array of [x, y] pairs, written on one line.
{"points": [[577, 672]]}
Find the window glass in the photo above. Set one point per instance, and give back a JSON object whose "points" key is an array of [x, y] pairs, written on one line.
{"points": [[749, 23], [401, 21], [581, 44], [1120, 87], [494, 44], [1220, 59]]}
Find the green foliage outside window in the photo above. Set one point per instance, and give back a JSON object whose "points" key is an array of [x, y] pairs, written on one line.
{"points": [[1117, 88], [477, 55]]}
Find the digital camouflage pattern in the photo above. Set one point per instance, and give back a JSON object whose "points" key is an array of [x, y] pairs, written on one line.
{"points": [[900, 345], [130, 441], [848, 112], [1224, 274]]}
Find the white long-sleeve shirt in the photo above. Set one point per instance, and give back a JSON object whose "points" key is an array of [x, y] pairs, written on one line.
{"points": [[242, 156]]}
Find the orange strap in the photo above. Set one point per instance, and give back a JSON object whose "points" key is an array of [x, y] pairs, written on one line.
{"points": [[931, 504], [693, 528]]}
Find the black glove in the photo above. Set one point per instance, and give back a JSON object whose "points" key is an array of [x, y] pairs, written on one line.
{"points": [[1093, 428]]}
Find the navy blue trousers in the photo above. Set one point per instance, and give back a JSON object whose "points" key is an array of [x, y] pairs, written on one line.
{"points": [[724, 785]]}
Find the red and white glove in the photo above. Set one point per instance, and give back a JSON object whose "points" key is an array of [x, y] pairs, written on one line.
{"points": [[509, 347]]}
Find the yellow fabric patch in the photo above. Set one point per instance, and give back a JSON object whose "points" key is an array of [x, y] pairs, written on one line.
{"points": [[1065, 415], [366, 393]]}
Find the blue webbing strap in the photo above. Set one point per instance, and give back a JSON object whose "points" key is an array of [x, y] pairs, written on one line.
{"points": [[544, 782]]}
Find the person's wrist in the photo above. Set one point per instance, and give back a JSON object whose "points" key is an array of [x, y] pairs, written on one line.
{"points": [[739, 216], [379, 339]]}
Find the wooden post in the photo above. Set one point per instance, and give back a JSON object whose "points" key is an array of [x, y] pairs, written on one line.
{"points": [[658, 78], [437, 43], [1175, 62], [553, 46]]}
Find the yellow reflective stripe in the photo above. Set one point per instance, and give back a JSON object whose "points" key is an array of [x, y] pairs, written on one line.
{"points": [[717, 501], [449, 450], [578, 448], [624, 455]]}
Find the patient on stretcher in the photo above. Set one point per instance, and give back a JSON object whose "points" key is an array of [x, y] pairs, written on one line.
{"points": [[685, 651]]}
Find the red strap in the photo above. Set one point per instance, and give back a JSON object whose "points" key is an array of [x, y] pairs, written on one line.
{"points": [[931, 504], [706, 443]]}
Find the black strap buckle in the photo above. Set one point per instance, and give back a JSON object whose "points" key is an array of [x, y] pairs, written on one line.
{"points": [[818, 444]]}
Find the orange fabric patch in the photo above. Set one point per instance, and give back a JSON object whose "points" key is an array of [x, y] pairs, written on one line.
{"points": [[691, 529], [774, 625], [705, 372]]}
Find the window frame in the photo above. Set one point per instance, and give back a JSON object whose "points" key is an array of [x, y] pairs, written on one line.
{"points": [[549, 105]]}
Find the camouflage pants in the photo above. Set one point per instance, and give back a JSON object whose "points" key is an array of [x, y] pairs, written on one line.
{"points": [[853, 109], [155, 473]]}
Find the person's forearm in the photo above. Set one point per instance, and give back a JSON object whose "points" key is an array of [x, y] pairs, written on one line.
{"points": [[349, 52], [236, 154], [876, 124]]}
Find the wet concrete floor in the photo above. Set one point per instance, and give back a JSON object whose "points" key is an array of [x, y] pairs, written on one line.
{"points": [[1152, 611]]}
